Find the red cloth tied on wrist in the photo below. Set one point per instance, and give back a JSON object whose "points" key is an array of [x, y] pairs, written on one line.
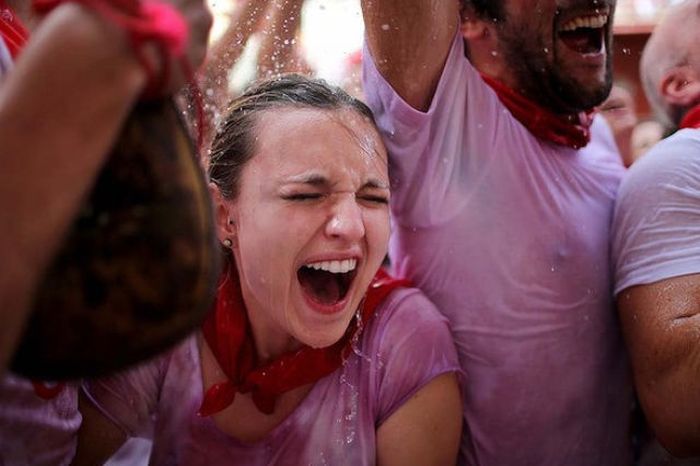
{"points": [[566, 130], [144, 22], [692, 118], [228, 334], [149, 21]]}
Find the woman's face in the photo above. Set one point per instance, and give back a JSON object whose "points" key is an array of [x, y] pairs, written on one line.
{"points": [[311, 224]]}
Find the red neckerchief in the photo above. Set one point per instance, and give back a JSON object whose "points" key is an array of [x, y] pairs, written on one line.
{"points": [[228, 334], [692, 118], [12, 30], [541, 122], [15, 35]]}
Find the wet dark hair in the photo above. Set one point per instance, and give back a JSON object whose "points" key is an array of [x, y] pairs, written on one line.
{"points": [[234, 143], [486, 9]]}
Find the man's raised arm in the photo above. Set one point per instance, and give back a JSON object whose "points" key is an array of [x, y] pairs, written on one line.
{"points": [[409, 41]]}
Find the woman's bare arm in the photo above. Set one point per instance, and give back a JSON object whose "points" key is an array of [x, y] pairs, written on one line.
{"points": [[426, 430]]}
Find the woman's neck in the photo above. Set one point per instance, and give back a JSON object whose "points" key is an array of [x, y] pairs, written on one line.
{"points": [[271, 341]]}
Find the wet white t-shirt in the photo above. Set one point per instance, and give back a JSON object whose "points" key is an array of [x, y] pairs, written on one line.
{"points": [[656, 232], [509, 236]]}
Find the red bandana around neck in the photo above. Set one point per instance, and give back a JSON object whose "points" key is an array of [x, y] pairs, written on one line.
{"points": [[692, 118], [541, 122], [13, 32], [228, 334]]}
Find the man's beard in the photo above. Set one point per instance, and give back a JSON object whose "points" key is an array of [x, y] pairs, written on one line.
{"points": [[546, 82]]}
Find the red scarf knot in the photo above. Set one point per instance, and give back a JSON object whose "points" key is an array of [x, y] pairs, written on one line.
{"points": [[566, 130], [228, 334], [692, 118]]}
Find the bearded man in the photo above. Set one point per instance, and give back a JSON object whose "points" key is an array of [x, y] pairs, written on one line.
{"points": [[503, 188]]}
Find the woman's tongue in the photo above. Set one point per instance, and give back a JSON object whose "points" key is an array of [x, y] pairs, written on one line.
{"points": [[323, 287]]}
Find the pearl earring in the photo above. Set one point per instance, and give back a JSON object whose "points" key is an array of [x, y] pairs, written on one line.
{"points": [[227, 243]]}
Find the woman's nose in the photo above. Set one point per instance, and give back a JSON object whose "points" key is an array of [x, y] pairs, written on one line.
{"points": [[346, 220]]}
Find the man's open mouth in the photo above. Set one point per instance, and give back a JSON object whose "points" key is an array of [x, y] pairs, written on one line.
{"points": [[327, 282], [585, 34]]}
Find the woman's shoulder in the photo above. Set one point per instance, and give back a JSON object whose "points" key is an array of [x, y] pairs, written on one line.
{"points": [[408, 303], [406, 313], [407, 344]]}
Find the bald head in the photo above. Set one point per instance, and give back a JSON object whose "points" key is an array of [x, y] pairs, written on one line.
{"points": [[670, 64]]}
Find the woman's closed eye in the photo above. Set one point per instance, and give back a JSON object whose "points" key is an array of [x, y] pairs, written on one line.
{"points": [[302, 196], [374, 198]]}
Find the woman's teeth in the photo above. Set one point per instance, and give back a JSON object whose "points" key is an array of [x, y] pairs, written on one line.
{"points": [[343, 266]]}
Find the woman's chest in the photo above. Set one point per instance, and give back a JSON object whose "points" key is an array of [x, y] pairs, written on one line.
{"points": [[331, 422]]}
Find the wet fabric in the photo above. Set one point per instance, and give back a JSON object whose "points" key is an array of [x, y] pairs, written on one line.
{"points": [[656, 232], [35, 431], [509, 236], [404, 346]]}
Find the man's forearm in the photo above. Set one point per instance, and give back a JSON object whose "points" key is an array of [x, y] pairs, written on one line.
{"points": [[60, 111]]}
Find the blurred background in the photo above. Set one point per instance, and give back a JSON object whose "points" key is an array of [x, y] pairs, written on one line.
{"points": [[331, 33]]}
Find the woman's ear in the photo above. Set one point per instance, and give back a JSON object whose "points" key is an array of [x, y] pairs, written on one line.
{"points": [[224, 216], [680, 86]]}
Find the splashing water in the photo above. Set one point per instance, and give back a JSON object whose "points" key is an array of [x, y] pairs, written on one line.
{"points": [[355, 342]]}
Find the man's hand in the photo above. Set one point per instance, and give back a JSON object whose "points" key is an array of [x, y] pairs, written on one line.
{"points": [[199, 19]]}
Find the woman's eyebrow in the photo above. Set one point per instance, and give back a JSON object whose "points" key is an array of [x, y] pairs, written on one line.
{"points": [[318, 180], [375, 184], [313, 179]]}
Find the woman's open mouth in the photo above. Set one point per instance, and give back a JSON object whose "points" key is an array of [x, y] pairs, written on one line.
{"points": [[326, 283], [585, 34]]}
